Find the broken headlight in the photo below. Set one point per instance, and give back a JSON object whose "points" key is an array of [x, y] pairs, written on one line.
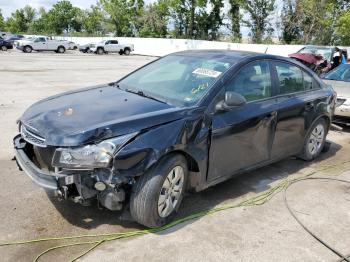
{"points": [[90, 156]]}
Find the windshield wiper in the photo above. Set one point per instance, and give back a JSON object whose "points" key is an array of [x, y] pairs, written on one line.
{"points": [[143, 94]]}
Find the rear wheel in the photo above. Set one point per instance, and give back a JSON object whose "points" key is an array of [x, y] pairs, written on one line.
{"points": [[315, 140], [61, 49], [3, 48], [126, 51], [157, 194], [27, 49]]}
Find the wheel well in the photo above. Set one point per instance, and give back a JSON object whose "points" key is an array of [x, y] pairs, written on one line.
{"points": [[61, 46], [127, 48], [191, 162]]}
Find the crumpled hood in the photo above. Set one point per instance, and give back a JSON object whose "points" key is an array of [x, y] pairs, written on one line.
{"points": [[93, 114]]}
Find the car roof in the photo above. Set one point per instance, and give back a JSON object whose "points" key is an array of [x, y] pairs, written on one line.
{"points": [[229, 55]]}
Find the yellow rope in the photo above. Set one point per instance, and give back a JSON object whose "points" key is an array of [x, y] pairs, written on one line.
{"points": [[254, 201]]}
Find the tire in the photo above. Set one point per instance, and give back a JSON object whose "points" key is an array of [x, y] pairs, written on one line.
{"points": [[315, 140], [27, 49], [61, 49], [3, 48], [100, 51], [127, 51], [149, 201]]}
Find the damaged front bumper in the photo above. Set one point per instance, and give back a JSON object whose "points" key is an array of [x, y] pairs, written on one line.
{"points": [[78, 185], [44, 179]]}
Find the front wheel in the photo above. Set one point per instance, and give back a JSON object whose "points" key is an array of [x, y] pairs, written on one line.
{"points": [[157, 194], [315, 140], [27, 49], [3, 48]]}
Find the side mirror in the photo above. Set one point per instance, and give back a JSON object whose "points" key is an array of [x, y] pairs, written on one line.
{"points": [[232, 100]]}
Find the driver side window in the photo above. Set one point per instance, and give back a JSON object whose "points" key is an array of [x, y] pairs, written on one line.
{"points": [[253, 81]]}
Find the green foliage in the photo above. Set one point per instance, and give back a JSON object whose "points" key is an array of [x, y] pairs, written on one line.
{"points": [[312, 21], [235, 17], [343, 28], [154, 20], [93, 19], [259, 12], [2, 21], [21, 20], [324, 22]]}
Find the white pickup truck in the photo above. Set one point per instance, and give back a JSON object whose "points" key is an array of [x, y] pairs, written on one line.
{"points": [[41, 43], [111, 46]]}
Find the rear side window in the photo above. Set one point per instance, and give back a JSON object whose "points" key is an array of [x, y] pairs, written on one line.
{"points": [[253, 81], [292, 79]]}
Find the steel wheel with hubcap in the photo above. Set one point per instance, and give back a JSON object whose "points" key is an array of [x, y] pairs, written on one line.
{"points": [[171, 191], [28, 49], [315, 140], [158, 193]]}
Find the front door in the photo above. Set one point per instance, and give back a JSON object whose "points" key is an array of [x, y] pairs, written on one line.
{"points": [[40, 43], [242, 138]]}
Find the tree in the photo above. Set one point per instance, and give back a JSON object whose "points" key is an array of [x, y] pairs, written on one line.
{"points": [[154, 20], [342, 28], [93, 20], [123, 14], [235, 17], [63, 17], [2, 21], [259, 12]]}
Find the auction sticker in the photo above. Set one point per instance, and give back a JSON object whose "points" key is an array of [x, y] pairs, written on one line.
{"points": [[206, 72]]}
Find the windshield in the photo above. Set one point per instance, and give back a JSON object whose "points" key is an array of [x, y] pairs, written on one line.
{"points": [[176, 79], [325, 52], [341, 73]]}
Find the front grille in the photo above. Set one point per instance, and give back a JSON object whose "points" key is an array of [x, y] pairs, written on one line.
{"points": [[340, 101], [32, 138]]}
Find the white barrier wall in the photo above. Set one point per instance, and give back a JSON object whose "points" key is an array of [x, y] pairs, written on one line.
{"points": [[161, 47]]}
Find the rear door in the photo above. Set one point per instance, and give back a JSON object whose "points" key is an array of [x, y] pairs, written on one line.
{"points": [[242, 137], [297, 106]]}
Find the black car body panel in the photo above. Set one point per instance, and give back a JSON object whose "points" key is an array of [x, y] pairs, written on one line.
{"points": [[104, 112], [217, 145], [5, 43]]}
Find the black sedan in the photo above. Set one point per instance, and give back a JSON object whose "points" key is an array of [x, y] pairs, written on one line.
{"points": [[186, 121], [4, 44]]}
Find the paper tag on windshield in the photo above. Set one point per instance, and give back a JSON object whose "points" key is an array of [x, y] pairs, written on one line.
{"points": [[207, 72]]}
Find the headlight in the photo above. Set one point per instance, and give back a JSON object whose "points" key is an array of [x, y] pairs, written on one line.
{"points": [[90, 156]]}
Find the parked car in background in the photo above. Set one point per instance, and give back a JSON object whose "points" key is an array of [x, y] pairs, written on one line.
{"points": [[85, 48], [339, 79], [41, 43], [186, 121], [111, 46], [320, 59], [4, 44], [14, 38]]}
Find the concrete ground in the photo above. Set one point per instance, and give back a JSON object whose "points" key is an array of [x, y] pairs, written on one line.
{"points": [[259, 233]]}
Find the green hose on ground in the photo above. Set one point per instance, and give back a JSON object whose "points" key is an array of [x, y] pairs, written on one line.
{"points": [[259, 199]]}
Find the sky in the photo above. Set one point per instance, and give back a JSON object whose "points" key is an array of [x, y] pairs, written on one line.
{"points": [[9, 6]]}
